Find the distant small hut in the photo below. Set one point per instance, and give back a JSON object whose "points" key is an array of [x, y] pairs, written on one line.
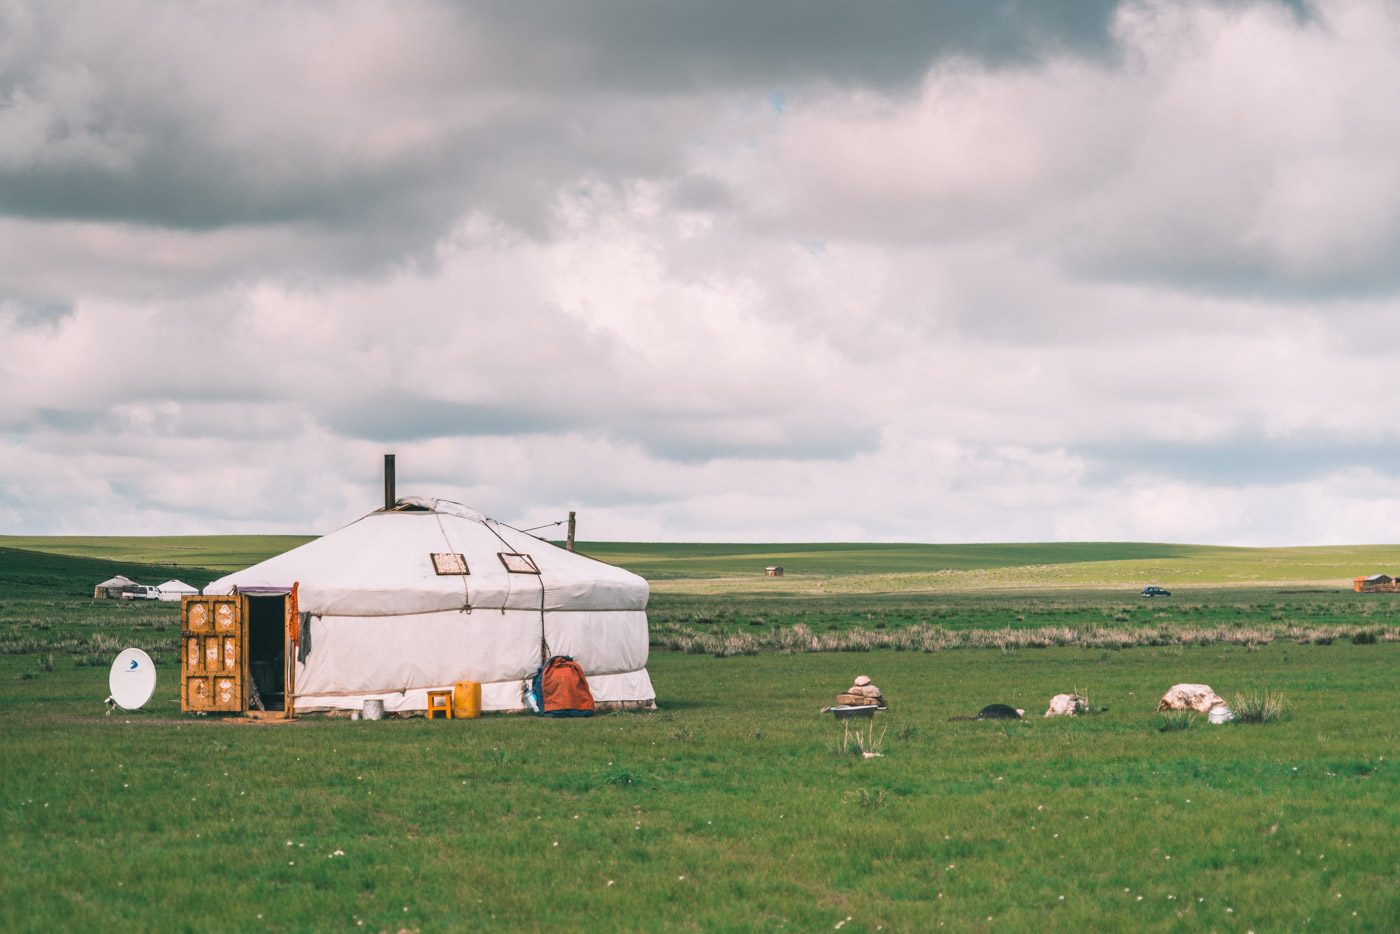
{"points": [[1376, 583], [172, 591], [113, 588], [774, 570]]}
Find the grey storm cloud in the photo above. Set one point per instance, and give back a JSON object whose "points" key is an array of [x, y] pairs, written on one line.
{"points": [[108, 124], [64, 421], [684, 437], [35, 314], [1242, 460], [687, 439], [252, 117], [678, 46], [390, 417]]}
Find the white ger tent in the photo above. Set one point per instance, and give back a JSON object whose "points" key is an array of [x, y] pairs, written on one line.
{"points": [[392, 615], [113, 587], [173, 590]]}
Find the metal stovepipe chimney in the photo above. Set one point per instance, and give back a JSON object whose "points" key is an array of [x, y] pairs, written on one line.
{"points": [[389, 497]]}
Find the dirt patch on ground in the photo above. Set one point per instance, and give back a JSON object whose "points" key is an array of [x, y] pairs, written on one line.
{"points": [[257, 718]]}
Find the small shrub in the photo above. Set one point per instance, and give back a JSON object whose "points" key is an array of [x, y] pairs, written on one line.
{"points": [[1177, 720], [45, 663], [19, 645], [735, 644], [1089, 706], [619, 776], [1364, 637], [1257, 707]]}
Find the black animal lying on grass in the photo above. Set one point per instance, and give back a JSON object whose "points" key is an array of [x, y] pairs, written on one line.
{"points": [[994, 712]]}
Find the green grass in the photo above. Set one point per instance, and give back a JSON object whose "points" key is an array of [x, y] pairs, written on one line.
{"points": [[149, 819], [729, 808]]}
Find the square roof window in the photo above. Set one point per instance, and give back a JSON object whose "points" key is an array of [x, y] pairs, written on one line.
{"points": [[448, 563], [518, 563]]}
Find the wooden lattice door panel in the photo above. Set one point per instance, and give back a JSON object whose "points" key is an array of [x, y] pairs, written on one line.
{"points": [[213, 654]]}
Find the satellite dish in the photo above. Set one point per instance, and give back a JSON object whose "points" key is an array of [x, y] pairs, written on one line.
{"points": [[133, 679]]}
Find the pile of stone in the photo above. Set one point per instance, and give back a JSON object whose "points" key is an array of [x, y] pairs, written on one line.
{"points": [[861, 693], [1198, 697]]}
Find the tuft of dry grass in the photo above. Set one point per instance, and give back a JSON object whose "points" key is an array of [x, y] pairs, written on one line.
{"points": [[862, 743], [1176, 720], [1257, 707]]}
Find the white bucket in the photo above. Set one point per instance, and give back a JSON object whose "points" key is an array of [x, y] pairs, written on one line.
{"points": [[1221, 715], [374, 709]]}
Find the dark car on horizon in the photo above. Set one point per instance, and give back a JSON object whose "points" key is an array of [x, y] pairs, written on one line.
{"points": [[1156, 592]]}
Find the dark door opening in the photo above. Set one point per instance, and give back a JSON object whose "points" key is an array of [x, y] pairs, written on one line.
{"points": [[267, 649]]}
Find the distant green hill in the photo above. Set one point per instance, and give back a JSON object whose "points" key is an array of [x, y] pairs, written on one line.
{"points": [[879, 568], [220, 552], [36, 573], [663, 561], [826, 567]]}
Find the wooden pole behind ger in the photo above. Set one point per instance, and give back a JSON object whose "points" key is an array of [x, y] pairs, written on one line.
{"points": [[571, 531]]}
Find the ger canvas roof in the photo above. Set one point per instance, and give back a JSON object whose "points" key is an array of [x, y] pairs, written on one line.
{"points": [[382, 565]]}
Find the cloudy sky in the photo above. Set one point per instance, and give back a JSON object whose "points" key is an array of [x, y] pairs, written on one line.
{"points": [[818, 270]]}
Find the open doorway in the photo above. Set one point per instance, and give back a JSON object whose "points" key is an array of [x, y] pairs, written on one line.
{"points": [[267, 650]]}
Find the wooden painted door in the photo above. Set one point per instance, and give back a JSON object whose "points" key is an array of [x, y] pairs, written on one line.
{"points": [[213, 654]]}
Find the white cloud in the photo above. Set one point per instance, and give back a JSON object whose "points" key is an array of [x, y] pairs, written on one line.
{"points": [[1137, 294], [1222, 148]]}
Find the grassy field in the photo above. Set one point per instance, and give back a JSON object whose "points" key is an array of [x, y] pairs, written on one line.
{"points": [[863, 569], [844, 568], [731, 807]]}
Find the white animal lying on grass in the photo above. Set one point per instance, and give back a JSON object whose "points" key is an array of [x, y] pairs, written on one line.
{"points": [[1198, 697], [1067, 705]]}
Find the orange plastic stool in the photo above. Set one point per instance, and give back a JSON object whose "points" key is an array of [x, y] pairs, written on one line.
{"points": [[440, 702]]}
